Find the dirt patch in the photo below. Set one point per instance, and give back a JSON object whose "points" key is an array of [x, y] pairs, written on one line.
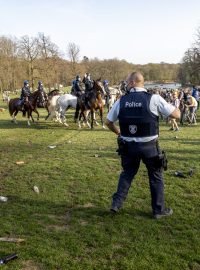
{"points": [[58, 228], [30, 265]]}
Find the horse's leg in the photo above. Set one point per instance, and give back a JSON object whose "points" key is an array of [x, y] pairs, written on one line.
{"points": [[76, 115], [92, 118], [64, 118], [31, 117], [29, 114], [47, 116], [86, 118], [38, 116], [79, 119], [95, 120], [101, 117], [14, 117]]}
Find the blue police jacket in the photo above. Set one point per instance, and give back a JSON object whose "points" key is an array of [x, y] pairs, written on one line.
{"points": [[77, 87], [25, 92], [135, 117]]}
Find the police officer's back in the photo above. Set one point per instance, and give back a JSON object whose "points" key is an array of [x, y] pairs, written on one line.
{"points": [[107, 90], [76, 88], [138, 113], [88, 82]]}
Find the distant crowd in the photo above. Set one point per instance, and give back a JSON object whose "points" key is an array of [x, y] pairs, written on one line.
{"points": [[186, 99]]}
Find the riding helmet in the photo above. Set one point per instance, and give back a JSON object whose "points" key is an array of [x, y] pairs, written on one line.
{"points": [[26, 82]]}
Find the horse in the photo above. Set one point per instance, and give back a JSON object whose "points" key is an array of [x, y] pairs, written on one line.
{"points": [[59, 105], [90, 102], [30, 105], [115, 94], [53, 93], [50, 105], [52, 108]]}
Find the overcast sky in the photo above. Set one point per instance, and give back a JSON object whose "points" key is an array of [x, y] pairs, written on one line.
{"points": [[144, 31]]}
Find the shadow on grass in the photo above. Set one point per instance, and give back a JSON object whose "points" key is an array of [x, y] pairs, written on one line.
{"points": [[25, 211], [8, 124]]}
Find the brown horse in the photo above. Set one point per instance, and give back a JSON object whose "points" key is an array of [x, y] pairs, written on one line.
{"points": [[90, 102], [29, 106]]}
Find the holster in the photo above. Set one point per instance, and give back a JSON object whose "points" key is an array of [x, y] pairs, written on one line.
{"points": [[122, 146], [162, 160]]}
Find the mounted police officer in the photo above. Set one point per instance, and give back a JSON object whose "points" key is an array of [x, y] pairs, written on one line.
{"points": [[88, 87], [88, 82], [138, 131], [76, 87], [40, 86], [43, 97], [25, 93], [107, 91]]}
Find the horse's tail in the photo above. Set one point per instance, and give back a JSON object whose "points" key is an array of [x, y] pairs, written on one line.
{"points": [[9, 107]]}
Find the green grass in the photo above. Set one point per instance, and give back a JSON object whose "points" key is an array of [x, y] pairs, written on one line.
{"points": [[68, 225]]}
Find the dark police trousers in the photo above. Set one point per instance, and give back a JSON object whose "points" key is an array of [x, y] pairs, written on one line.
{"points": [[148, 153]]}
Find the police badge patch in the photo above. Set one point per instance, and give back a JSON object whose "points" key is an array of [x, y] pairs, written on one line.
{"points": [[133, 129]]}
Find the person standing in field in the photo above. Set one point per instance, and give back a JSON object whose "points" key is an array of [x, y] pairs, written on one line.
{"points": [[176, 103], [192, 105], [138, 115]]}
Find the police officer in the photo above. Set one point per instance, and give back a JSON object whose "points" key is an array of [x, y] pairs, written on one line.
{"points": [[25, 93], [43, 97], [138, 130], [107, 90], [88, 82], [40, 86], [88, 87], [76, 88]]}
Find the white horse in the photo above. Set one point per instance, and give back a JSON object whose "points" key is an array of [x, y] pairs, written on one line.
{"points": [[115, 94], [52, 107], [63, 104]]}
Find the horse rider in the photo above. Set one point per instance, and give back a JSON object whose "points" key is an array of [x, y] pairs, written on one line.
{"points": [[25, 93], [76, 87], [43, 97], [107, 91], [40, 86], [88, 82], [88, 87], [123, 87]]}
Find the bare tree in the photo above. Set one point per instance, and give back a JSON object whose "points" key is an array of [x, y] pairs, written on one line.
{"points": [[49, 60], [8, 59], [29, 51], [73, 52]]}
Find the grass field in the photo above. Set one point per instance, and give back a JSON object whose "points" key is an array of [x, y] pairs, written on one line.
{"points": [[68, 224]]}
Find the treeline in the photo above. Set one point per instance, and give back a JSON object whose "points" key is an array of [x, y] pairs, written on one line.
{"points": [[38, 58], [189, 73]]}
